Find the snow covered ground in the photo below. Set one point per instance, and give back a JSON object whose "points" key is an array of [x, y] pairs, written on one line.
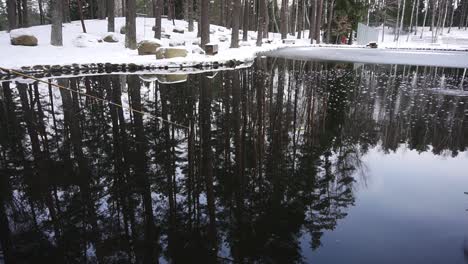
{"points": [[94, 52], [89, 50]]}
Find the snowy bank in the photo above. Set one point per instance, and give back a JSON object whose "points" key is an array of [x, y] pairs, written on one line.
{"points": [[456, 59], [79, 48]]}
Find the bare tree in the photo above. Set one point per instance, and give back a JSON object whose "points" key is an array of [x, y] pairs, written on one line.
{"points": [[157, 6], [190, 15], [205, 23], [235, 24], [261, 25], [11, 9], [245, 24], [41, 12], [110, 16], [284, 19], [80, 11], [330, 19], [130, 25], [24, 4], [56, 32], [66, 11], [101, 5], [312, 19], [318, 23]]}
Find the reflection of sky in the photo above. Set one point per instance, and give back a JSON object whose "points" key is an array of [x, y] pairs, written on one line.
{"points": [[412, 211]]}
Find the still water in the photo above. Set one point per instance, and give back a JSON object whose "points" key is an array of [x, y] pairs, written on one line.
{"points": [[283, 162]]}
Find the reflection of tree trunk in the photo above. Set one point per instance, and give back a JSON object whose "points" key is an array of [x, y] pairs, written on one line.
{"points": [[170, 173], [5, 233], [207, 160], [140, 169], [29, 118], [71, 109], [239, 168]]}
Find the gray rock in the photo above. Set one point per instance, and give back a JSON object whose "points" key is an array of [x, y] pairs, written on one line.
{"points": [[148, 47], [24, 40]]}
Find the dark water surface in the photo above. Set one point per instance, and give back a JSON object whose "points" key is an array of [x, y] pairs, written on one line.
{"points": [[284, 162]]}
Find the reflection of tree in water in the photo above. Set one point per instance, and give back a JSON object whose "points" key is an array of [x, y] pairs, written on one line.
{"points": [[273, 152]]}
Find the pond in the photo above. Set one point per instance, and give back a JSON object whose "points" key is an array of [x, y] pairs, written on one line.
{"points": [[287, 161]]}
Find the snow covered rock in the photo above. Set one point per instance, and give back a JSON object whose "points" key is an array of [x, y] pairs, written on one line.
{"points": [[165, 35], [22, 37], [167, 53], [111, 38], [244, 44], [85, 40], [212, 31], [149, 47], [223, 38], [196, 42], [178, 30], [175, 43], [197, 50]]}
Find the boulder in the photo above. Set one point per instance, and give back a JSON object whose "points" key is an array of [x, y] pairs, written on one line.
{"points": [[223, 38], [175, 43], [198, 50], [167, 53], [21, 37], [196, 42], [123, 30], [179, 30], [165, 35], [148, 47], [111, 38], [84, 40]]}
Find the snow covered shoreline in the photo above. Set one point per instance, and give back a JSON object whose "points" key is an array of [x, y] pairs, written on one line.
{"points": [[438, 58], [18, 57], [15, 57]]}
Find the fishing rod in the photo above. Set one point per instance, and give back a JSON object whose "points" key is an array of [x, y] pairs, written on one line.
{"points": [[93, 97]]}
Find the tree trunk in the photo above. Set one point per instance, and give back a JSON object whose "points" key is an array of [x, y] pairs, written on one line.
{"points": [[235, 24], [424, 23], [130, 25], [451, 19], [24, 4], [20, 13], [205, 22], [261, 21], [313, 18], [207, 160], [41, 12], [397, 26], [190, 16], [157, 5], [284, 19], [66, 11], [318, 23], [411, 22], [416, 13], [101, 12], [80, 11], [110, 16], [11, 9], [245, 24], [56, 32], [330, 18], [402, 19]]}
